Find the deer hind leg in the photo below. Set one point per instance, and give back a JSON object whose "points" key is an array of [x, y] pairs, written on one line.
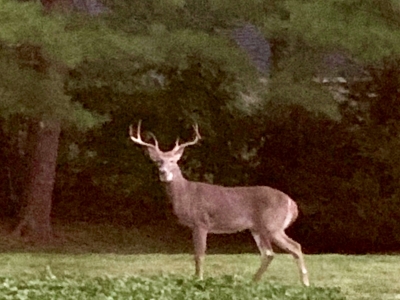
{"points": [[264, 245], [200, 244], [286, 243]]}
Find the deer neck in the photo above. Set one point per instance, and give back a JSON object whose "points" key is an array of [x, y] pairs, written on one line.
{"points": [[177, 187], [181, 199]]}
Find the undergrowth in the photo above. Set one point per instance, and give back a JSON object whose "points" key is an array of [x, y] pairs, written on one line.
{"points": [[49, 286]]}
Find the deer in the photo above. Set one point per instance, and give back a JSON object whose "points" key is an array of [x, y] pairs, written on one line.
{"points": [[207, 208]]}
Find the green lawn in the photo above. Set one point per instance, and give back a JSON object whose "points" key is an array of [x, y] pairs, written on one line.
{"points": [[359, 277], [89, 261]]}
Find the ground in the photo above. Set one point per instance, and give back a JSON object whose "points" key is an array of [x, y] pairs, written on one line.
{"points": [[106, 250]]}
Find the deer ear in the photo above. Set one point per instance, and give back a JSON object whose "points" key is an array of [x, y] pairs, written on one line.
{"points": [[154, 155]]}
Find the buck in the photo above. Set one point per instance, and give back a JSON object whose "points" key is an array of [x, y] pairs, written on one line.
{"points": [[208, 208]]}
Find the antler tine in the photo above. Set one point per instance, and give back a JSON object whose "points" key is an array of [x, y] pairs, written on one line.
{"points": [[196, 139], [154, 138], [177, 142], [138, 139]]}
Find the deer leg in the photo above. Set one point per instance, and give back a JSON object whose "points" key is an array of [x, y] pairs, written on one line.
{"points": [[286, 243], [267, 254], [200, 244]]}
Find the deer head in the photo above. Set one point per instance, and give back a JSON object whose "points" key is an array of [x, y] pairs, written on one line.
{"points": [[167, 162]]}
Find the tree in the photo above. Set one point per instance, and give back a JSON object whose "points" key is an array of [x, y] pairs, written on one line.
{"points": [[33, 86], [35, 221]]}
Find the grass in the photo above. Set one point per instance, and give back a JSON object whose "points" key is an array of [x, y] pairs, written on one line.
{"points": [[359, 277], [101, 264]]}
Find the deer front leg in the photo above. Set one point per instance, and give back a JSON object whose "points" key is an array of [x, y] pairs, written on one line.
{"points": [[200, 244]]}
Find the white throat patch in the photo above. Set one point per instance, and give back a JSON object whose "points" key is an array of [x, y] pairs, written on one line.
{"points": [[167, 177], [170, 176]]}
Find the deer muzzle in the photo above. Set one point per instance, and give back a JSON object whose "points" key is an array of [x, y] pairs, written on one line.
{"points": [[165, 175]]}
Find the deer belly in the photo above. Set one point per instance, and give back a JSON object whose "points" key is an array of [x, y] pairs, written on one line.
{"points": [[235, 225]]}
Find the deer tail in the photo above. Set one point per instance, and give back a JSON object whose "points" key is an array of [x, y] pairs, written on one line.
{"points": [[292, 213]]}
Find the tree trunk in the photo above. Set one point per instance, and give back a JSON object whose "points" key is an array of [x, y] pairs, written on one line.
{"points": [[35, 222]]}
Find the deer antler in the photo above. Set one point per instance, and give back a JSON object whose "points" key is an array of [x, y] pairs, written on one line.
{"points": [[196, 139], [138, 139]]}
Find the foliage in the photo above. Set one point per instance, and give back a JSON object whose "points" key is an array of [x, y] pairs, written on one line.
{"points": [[36, 51], [32, 94], [50, 286], [205, 15], [357, 26], [25, 22]]}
